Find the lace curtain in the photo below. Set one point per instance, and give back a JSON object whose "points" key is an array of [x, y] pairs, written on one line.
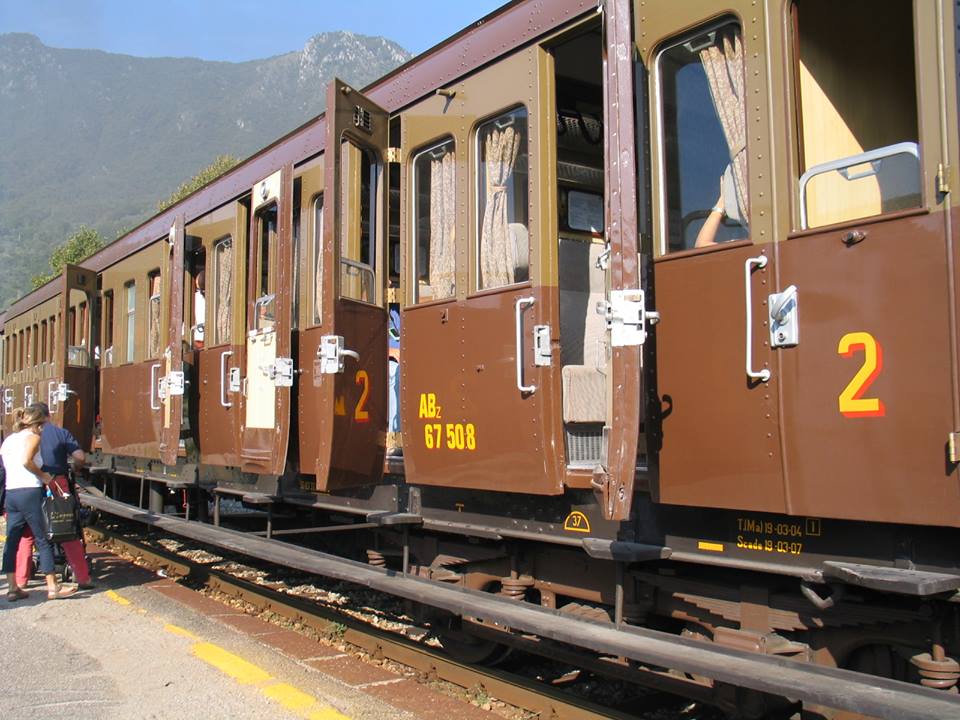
{"points": [[224, 291], [498, 259], [442, 226], [723, 63]]}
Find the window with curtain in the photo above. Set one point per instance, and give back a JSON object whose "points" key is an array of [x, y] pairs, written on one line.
{"points": [[317, 260], [153, 315], [503, 250], [703, 128], [434, 222], [107, 358], [130, 289], [223, 291]]}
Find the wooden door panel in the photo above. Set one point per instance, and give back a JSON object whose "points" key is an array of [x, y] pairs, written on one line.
{"points": [[351, 429], [720, 429], [219, 408], [868, 388], [172, 360]]}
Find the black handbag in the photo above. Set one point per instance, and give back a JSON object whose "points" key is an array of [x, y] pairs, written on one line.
{"points": [[60, 516]]}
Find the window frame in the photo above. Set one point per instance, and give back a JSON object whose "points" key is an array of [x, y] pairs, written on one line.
{"points": [[659, 158], [413, 261], [130, 336], [475, 231]]}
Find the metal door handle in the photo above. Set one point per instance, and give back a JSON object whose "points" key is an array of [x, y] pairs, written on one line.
{"points": [[153, 385], [52, 392], [223, 374], [760, 261], [518, 317]]}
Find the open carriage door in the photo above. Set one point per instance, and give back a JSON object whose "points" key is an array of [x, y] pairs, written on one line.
{"points": [[627, 305], [351, 362], [172, 381], [268, 363], [73, 390]]}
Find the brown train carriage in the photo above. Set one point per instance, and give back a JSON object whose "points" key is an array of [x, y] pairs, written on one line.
{"points": [[535, 193]]}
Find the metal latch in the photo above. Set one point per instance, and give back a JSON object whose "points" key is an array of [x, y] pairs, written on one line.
{"points": [[331, 354], [61, 392], [627, 317], [233, 382], [784, 318], [7, 401], [175, 383], [953, 447], [542, 351], [281, 372]]}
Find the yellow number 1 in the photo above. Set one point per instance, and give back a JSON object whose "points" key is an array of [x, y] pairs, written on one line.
{"points": [[851, 401]]}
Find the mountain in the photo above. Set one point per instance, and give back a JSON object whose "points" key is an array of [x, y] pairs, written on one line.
{"points": [[94, 138]]}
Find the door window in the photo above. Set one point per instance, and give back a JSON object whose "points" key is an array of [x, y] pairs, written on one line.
{"points": [[223, 291], [434, 222], [705, 198], [360, 173], [130, 290], [265, 305], [503, 248], [317, 260], [153, 315], [858, 129]]}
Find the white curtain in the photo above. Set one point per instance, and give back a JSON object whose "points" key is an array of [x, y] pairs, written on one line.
{"points": [[224, 296], [723, 63], [442, 226], [498, 260]]}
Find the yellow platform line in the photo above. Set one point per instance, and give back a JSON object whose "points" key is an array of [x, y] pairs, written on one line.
{"points": [[117, 598]]}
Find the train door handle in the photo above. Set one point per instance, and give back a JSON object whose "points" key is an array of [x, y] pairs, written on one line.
{"points": [[154, 371], [760, 261], [518, 319], [223, 378]]}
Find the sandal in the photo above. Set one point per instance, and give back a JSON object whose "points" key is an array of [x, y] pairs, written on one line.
{"points": [[16, 594], [61, 593]]}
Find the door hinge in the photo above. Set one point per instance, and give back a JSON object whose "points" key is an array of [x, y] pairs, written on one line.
{"points": [[953, 447], [628, 317], [281, 372], [394, 155], [943, 178]]}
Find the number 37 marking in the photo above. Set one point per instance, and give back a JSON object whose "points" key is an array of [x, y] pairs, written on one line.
{"points": [[851, 401]]}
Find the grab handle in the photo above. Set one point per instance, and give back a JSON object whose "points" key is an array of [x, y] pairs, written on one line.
{"points": [[153, 385], [760, 261], [518, 316], [223, 375]]}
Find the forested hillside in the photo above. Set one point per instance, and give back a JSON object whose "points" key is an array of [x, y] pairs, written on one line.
{"points": [[97, 139]]}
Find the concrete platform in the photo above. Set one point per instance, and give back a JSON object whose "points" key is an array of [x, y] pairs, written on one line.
{"points": [[139, 646]]}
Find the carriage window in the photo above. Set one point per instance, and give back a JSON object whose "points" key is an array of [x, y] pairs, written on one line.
{"points": [[859, 149], [358, 223], [153, 315], [434, 220], [43, 341], [31, 353], [223, 291], [265, 305], [703, 129], [318, 259], [53, 338], [107, 358], [131, 291], [35, 345], [504, 245], [297, 253]]}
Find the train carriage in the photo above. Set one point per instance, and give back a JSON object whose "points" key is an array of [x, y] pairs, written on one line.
{"points": [[678, 299]]}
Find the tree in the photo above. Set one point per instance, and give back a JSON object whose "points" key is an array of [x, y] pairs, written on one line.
{"points": [[210, 173], [78, 247]]}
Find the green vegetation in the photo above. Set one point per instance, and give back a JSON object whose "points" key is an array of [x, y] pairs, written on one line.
{"points": [[78, 247], [210, 173]]}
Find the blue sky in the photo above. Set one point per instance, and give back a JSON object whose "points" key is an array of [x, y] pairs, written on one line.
{"points": [[233, 30]]}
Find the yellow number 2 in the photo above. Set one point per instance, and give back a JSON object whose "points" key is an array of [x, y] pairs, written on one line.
{"points": [[851, 401]]}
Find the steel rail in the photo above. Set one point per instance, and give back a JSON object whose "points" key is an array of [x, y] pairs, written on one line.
{"points": [[531, 696], [829, 687]]}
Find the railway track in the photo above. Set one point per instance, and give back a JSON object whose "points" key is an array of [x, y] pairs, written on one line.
{"points": [[644, 653], [532, 698]]}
